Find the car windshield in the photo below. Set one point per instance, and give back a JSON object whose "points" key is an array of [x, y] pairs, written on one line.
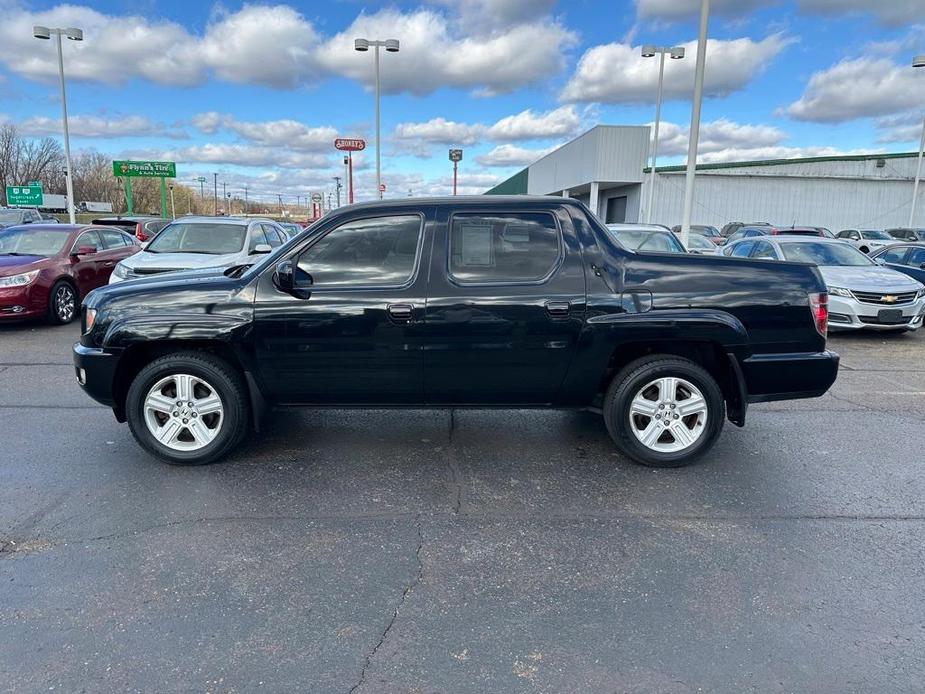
{"points": [[10, 216], [651, 241], [700, 242], [209, 238], [876, 235], [706, 231], [825, 254], [31, 241]]}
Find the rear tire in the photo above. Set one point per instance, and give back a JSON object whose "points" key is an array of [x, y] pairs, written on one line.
{"points": [[188, 408], [62, 303], [664, 411]]}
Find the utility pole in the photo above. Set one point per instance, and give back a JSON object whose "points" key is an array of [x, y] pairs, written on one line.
{"points": [[337, 188], [215, 195], [173, 207], [224, 197], [695, 123], [280, 205], [246, 211]]}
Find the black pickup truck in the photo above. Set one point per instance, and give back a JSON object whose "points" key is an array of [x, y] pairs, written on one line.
{"points": [[510, 302]]}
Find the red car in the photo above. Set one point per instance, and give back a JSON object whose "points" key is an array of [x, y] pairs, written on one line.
{"points": [[46, 269]]}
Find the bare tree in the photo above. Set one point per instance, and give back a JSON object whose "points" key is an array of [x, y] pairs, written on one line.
{"points": [[22, 161]]}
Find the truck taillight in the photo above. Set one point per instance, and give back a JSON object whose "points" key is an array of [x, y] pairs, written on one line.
{"points": [[140, 232], [819, 305]]}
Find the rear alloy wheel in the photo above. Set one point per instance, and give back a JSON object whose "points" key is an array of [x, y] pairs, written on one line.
{"points": [[664, 411], [62, 303], [188, 408]]}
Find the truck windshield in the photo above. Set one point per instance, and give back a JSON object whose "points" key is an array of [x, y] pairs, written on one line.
{"points": [[29, 241], [825, 254], [212, 239]]}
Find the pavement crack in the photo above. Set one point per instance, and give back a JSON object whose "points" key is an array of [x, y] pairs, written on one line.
{"points": [[404, 597], [457, 481]]}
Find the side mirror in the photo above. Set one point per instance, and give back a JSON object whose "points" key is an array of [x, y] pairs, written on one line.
{"points": [[262, 249], [880, 261], [922, 266], [285, 280], [84, 250]]}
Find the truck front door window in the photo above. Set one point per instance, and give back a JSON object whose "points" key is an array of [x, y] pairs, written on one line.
{"points": [[376, 252]]}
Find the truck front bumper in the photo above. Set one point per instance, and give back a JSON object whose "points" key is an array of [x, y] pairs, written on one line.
{"points": [[771, 377], [95, 369]]}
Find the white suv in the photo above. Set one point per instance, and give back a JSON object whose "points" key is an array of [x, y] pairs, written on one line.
{"points": [[195, 243], [866, 240]]}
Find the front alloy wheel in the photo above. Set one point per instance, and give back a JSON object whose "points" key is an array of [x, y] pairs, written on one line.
{"points": [[188, 408], [183, 412]]}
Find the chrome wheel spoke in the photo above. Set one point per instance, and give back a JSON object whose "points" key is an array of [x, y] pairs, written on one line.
{"points": [[682, 435], [650, 435], [167, 433], [667, 388], [200, 432], [209, 405], [693, 405], [160, 403], [642, 406], [184, 383]]}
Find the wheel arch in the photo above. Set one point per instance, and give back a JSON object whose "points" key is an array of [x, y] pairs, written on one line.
{"points": [[137, 355]]}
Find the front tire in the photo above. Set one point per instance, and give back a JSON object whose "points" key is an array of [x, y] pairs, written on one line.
{"points": [[62, 303], [188, 408], [664, 411]]}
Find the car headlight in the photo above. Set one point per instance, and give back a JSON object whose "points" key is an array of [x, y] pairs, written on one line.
{"points": [[20, 280], [920, 293], [839, 291], [120, 271]]}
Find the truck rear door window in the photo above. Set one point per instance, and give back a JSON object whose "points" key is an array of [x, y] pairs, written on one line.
{"points": [[503, 247]]}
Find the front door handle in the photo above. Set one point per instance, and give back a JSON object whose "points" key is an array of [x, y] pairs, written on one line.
{"points": [[401, 312], [558, 308]]}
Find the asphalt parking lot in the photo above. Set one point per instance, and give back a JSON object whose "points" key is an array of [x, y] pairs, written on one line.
{"points": [[465, 551]]}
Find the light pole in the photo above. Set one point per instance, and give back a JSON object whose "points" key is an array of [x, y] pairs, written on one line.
{"points": [[695, 122], [246, 212], [917, 61], [676, 53], [337, 187], [173, 207], [73, 34], [391, 46], [215, 195], [455, 157]]}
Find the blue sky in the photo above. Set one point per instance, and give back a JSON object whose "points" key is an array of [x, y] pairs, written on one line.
{"points": [[257, 91]]}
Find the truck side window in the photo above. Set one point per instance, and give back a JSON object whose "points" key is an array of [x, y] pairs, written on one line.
{"points": [[503, 247], [376, 252]]}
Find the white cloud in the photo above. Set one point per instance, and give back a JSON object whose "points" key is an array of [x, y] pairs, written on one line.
{"points": [[278, 47], [858, 88], [511, 155], [888, 12], [905, 127], [100, 126], [492, 14], [617, 73], [239, 155], [717, 137], [780, 152], [432, 57], [682, 9], [526, 125], [286, 133]]}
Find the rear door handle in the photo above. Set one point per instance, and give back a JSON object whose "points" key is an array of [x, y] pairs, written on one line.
{"points": [[401, 312], [558, 308], [109, 263]]}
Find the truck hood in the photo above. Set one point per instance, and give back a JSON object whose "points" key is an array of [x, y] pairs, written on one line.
{"points": [[872, 278], [146, 262]]}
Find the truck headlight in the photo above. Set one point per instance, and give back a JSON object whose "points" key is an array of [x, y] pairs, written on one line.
{"points": [[120, 271], [89, 319], [839, 291], [20, 280]]}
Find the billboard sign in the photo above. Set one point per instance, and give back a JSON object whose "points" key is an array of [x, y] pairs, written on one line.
{"points": [[346, 144]]}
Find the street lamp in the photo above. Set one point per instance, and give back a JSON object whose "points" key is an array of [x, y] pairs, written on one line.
{"points": [[391, 46], [694, 136], [917, 61], [73, 34], [649, 51]]}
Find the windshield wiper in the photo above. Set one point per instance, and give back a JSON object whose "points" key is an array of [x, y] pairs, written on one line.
{"points": [[237, 270]]}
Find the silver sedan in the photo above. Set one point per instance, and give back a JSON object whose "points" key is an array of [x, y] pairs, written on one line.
{"points": [[862, 293]]}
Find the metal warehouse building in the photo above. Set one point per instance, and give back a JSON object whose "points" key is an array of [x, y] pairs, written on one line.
{"points": [[606, 169]]}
